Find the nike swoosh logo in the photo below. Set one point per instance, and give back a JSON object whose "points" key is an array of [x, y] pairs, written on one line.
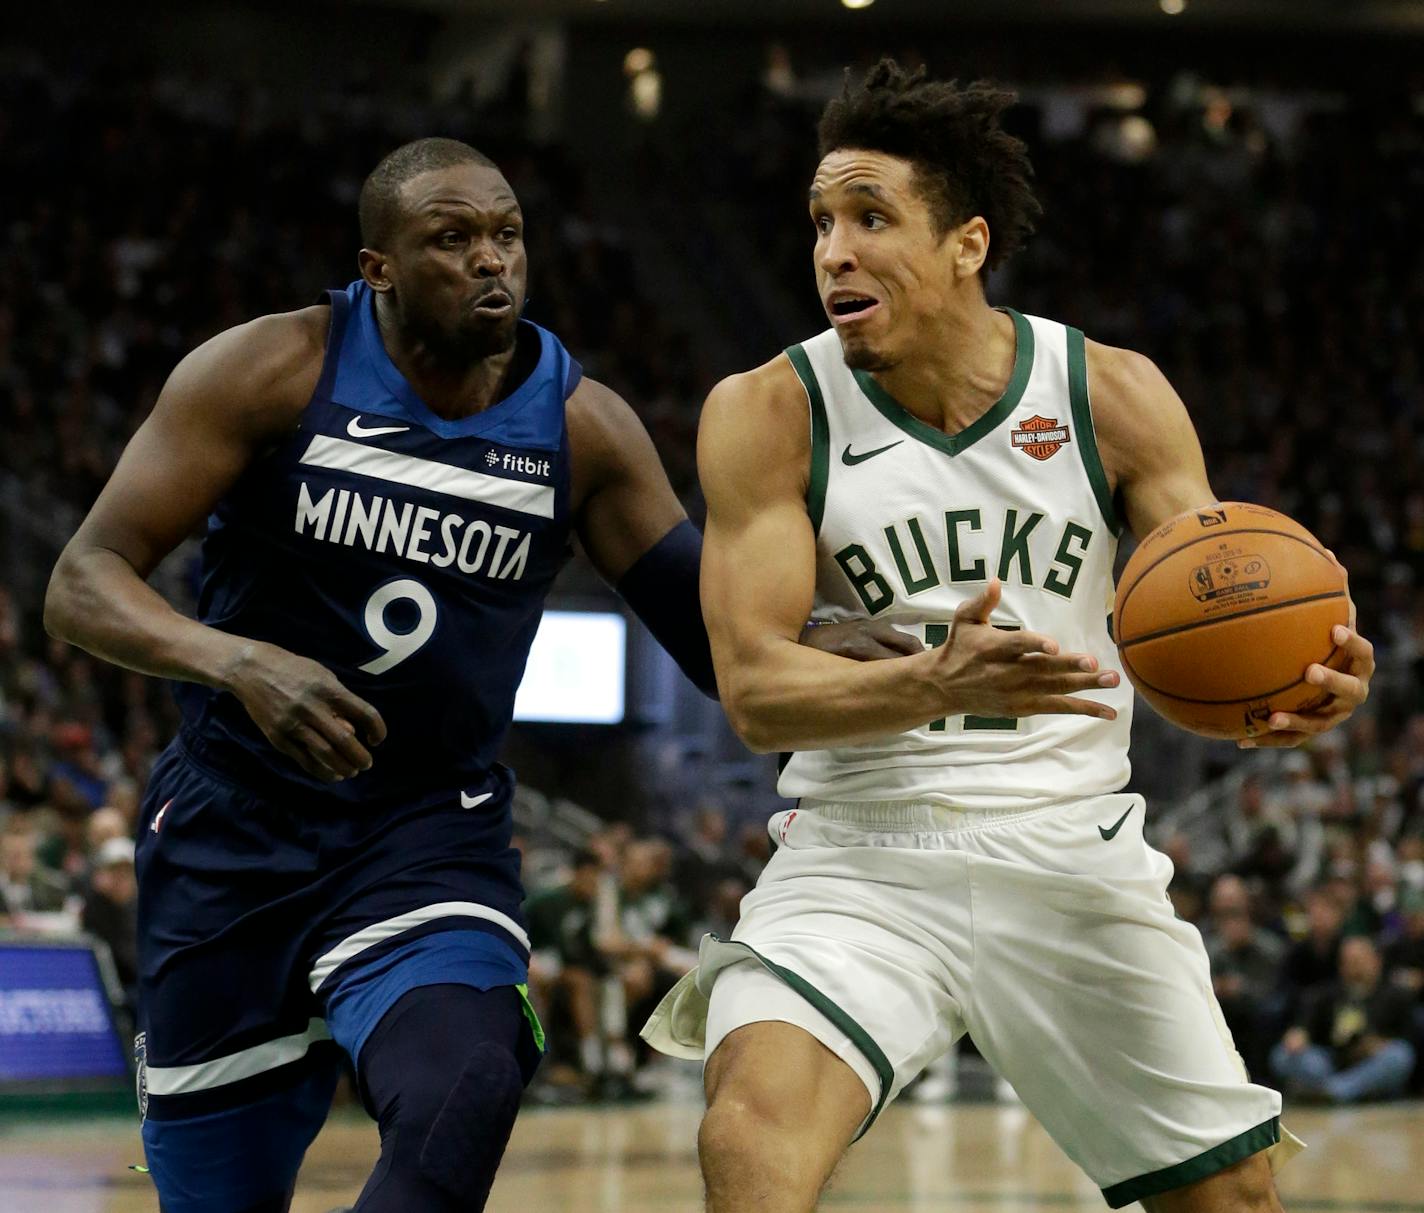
{"points": [[850, 460], [1109, 835], [469, 802], [357, 430]]}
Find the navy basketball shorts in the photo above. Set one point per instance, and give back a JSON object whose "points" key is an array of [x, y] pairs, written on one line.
{"points": [[274, 936]]}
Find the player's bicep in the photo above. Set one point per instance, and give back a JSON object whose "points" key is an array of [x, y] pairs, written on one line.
{"points": [[759, 554], [220, 406], [1148, 439], [629, 504]]}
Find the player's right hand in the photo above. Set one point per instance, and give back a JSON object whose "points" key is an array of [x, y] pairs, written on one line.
{"points": [[987, 671], [302, 709]]}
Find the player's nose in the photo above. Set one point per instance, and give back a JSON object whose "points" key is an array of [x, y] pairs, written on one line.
{"points": [[485, 259], [837, 253]]}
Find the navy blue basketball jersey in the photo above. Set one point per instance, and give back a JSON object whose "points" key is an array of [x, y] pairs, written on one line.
{"points": [[408, 554]]}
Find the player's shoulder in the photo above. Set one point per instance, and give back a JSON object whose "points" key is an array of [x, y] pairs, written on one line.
{"points": [[769, 392], [274, 360], [1129, 392]]}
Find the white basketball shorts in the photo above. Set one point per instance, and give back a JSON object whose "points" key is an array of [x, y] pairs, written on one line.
{"points": [[888, 930]]}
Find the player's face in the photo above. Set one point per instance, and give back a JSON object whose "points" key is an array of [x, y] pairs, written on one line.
{"points": [[883, 271], [460, 270]]}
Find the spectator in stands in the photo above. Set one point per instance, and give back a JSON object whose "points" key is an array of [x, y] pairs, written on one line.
{"points": [[703, 863], [26, 886], [1314, 960], [1404, 956], [111, 908], [1351, 1041], [1245, 964], [567, 962], [1189, 886]]}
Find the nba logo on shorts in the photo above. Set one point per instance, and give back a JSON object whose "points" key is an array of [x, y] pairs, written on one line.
{"points": [[786, 824], [141, 1073]]}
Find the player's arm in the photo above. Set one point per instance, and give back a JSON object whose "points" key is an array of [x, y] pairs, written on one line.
{"points": [[224, 404], [758, 582], [638, 537], [1152, 456]]}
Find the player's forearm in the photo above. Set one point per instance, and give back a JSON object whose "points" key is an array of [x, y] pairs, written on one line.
{"points": [[788, 697], [98, 602]]}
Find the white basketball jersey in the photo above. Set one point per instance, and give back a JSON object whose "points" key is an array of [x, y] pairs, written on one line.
{"points": [[911, 521]]}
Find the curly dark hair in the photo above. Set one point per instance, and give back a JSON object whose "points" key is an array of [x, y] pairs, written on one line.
{"points": [[965, 163]]}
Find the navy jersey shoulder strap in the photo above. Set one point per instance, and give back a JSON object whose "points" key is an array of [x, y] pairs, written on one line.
{"points": [[340, 303]]}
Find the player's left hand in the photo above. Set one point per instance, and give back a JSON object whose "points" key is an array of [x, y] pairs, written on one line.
{"points": [[1344, 690], [860, 640]]}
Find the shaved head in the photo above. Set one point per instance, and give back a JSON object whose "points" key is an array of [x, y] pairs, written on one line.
{"points": [[379, 207]]}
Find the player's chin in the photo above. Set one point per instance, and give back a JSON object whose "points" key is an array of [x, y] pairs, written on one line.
{"points": [[863, 355], [483, 337]]}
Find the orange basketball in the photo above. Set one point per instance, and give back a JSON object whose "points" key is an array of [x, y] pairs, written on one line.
{"points": [[1219, 613]]}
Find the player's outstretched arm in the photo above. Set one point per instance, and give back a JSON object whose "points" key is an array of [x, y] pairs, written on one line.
{"points": [[758, 581], [1151, 453], [221, 408]]}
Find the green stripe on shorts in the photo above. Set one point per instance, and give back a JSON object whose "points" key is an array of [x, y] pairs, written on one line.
{"points": [[1218, 1158]]}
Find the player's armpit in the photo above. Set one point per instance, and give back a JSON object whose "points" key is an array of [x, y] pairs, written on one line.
{"points": [[1148, 444]]}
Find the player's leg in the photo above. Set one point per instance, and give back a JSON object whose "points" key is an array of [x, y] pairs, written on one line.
{"points": [[781, 1110], [1095, 1001], [443, 1073], [209, 1154], [1244, 1187]]}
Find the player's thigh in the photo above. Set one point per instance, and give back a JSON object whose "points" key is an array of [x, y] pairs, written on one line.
{"points": [[1096, 1004], [772, 1083], [230, 1152]]}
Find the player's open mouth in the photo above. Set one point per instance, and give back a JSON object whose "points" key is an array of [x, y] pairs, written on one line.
{"points": [[496, 303], [850, 308]]}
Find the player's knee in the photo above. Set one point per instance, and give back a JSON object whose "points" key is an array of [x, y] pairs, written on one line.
{"points": [[1246, 1187], [469, 1127]]}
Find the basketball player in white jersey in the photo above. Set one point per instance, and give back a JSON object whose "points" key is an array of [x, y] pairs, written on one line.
{"points": [[962, 857]]}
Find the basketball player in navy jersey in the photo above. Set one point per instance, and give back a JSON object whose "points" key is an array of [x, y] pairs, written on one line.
{"points": [[391, 481]]}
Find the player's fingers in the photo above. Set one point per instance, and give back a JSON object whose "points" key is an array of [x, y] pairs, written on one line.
{"points": [[288, 744], [1021, 644], [365, 719], [1067, 705], [889, 637], [1360, 651], [982, 605], [322, 759], [1071, 672], [1274, 741], [1342, 686], [340, 735]]}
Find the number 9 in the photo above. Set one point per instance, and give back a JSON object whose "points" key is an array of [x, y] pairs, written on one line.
{"points": [[398, 645]]}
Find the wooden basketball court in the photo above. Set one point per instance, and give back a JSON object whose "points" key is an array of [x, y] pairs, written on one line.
{"points": [[958, 1158]]}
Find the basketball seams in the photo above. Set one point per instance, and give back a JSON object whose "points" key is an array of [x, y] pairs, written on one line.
{"points": [[1177, 628], [1219, 703], [1124, 595]]}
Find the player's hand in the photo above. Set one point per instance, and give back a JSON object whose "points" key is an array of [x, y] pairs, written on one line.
{"points": [[986, 671], [1341, 691], [302, 709], [860, 640]]}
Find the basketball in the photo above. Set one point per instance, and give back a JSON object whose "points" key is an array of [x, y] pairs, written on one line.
{"points": [[1220, 612]]}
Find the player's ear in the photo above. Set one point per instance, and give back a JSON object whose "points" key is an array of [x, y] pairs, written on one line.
{"points": [[972, 247], [373, 266]]}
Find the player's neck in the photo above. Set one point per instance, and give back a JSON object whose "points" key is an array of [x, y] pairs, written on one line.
{"points": [[955, 378], [450, 388]]}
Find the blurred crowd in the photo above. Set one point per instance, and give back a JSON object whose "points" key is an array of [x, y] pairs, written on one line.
{"points": [[1264, 255]]}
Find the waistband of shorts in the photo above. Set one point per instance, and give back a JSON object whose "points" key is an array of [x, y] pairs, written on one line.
{"points": [[919, 816]]}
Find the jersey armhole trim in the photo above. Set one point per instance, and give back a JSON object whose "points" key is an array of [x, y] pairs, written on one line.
{"points": [[820, 437], [1087, 436], [340, 303]]}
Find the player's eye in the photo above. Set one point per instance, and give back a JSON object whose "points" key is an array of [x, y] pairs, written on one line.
{"points": [[823, 223], [874, 222], [509, 234], [451, 239]]}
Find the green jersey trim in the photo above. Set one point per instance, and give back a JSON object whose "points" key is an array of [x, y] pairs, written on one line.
{"points": [[1087, 436], [841, 1019], [1228, 1154], [951, 444], [820, 437]]}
